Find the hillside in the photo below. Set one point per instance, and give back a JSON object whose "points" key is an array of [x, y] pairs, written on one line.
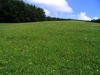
{"points": [[50, 48]]}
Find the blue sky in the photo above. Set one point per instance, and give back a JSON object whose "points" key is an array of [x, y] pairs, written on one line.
{"points": [[75, 9]]}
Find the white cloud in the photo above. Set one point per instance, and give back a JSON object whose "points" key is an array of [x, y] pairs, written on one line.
{"points": [[47, 12], [95, 18], [83, 16], [52, 6]]}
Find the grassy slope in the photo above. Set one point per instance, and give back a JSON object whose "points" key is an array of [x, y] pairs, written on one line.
{"points": [[63, 47]]}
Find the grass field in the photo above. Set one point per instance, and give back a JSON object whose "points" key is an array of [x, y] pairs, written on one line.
{"points": [[50, 48]]}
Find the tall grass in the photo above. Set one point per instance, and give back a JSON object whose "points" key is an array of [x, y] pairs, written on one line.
{"points": [[50, 48]]}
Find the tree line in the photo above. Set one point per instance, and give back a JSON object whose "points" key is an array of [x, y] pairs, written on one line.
{"points": [[48, 18], [96, 21], [19, 11]]}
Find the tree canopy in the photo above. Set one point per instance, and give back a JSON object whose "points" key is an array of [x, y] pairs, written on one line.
{"points": [[19, 11]]}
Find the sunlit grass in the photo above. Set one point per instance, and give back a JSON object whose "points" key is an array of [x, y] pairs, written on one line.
{"points": [[50, 48]]}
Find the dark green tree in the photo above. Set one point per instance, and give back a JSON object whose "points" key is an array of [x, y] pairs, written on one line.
{"points": [[19, 11]]}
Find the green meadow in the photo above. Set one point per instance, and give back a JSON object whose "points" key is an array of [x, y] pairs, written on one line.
{"points": [[50, 48]]}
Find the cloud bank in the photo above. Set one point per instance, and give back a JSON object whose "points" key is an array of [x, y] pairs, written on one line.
{"points": [[82, 16], [95, 18]]}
